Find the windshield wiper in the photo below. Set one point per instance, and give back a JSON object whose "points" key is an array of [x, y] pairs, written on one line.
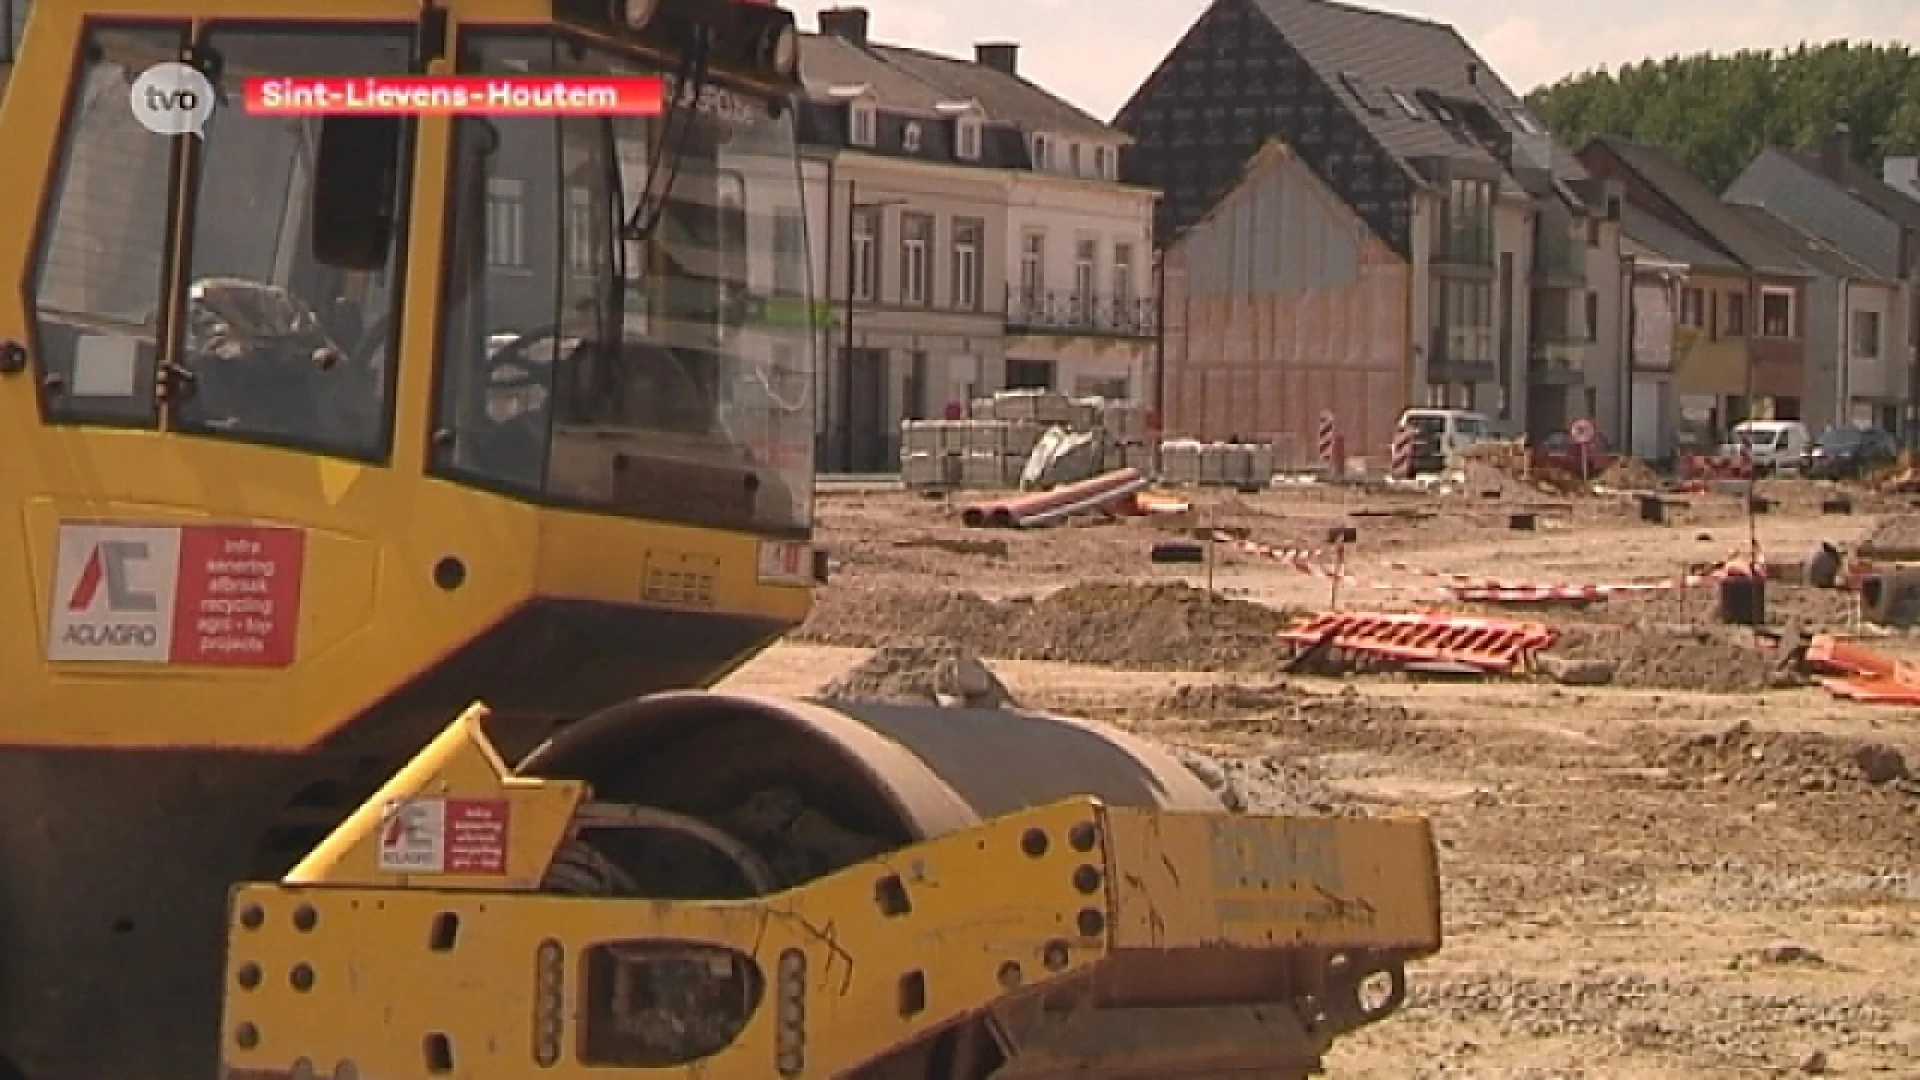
{"points": [[650, 209]]}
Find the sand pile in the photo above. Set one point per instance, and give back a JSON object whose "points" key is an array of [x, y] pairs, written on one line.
{"points": [[1162, 626], [1629, 474], [922, 672], [1895, 536], [1775, 760], [1643, 659]]}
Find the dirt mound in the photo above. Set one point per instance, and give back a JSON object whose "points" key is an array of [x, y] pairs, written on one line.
{"points": [[1628, 474], [1646, 659], [925, 672], [1346, 719], [1787, 761], [1137, 626], [1262, 784], [1215, 699], [1895, 536]]}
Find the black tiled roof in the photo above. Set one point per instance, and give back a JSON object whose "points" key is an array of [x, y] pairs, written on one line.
{"points": [[1378, 58]]}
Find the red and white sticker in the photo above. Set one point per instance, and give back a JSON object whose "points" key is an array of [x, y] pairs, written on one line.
{"points": [[785, 562], [203, 595], [444, 836]]}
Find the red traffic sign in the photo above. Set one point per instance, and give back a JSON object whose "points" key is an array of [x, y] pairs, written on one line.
{"points": [[1583, 431]]}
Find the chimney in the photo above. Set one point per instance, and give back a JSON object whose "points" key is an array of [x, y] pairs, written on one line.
{"points": [[1001, 56], [848, 24], [1836, 150]]}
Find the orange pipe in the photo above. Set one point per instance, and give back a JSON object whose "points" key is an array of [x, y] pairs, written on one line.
{"points": [[1007, 513]]}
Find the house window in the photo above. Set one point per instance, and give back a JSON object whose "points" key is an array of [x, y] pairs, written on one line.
{"points": [[1693, 309], [916, 258], [1866, 335], [866, 250], [863, 126], [1736, 321], [1468, 224], [1123, 274], [580, 230], [1033, 267], [968, 235], [910, 138], [1042, 153], [1084, 255], [1073, 159], [789, 253], [1464, 334], [1103, 163], [967, 139], [507, 223], [1776, 313]]}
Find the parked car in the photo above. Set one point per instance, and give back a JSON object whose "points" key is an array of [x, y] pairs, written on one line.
{"points": [[1438, 434], [1847, 453], [1777, 445], [1559, 451]]}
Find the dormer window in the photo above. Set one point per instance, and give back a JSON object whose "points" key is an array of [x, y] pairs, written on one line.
{"points": [[966, 138], [1042, 154], [863, 124]]}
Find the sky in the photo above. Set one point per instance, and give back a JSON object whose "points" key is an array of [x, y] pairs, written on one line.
{"points": [[1095, 53]]}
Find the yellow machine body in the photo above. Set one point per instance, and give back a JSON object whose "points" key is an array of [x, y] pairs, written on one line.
{"points": [[322, 430], [1117, 941]]}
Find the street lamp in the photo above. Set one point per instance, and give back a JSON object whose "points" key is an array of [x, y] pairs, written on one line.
{"points": [[854, 207]]}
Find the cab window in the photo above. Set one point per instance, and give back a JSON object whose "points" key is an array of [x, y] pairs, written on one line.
{"points": [[103, 251], [278, 347]]}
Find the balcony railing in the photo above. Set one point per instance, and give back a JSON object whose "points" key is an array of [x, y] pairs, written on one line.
{"points": [[1461, 354], [1559, 363], [1076, 313], [1557, 258], [1464, 243]]}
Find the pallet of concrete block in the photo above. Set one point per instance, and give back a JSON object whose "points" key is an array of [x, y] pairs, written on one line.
{"points": [[989, 471], [1115, 455], [1047, 408], [1125, 422], [923, 471], [1005, 437], [1180, 461], [933, 436], [1216, 464]]}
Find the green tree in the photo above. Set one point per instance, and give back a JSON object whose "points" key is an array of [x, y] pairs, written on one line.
{"points": [[1715, 112]]}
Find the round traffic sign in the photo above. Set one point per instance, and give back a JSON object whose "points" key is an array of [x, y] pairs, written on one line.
{"points": [[1582, 431]]}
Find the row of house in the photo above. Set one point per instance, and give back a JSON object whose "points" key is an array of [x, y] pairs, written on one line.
{"points": [[1358, 216], [971, 233]]}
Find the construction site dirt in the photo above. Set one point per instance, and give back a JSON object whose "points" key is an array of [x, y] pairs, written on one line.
{"points": [[1664, 852]]}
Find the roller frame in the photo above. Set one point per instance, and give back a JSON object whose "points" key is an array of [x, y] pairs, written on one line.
{"points": [[1156, 918]]}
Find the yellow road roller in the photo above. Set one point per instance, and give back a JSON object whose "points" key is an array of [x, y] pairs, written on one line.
{"points": [[395, 476]]}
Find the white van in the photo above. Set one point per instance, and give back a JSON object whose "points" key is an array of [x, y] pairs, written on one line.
{"points": [[1778, 445], [1439, 433]]}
